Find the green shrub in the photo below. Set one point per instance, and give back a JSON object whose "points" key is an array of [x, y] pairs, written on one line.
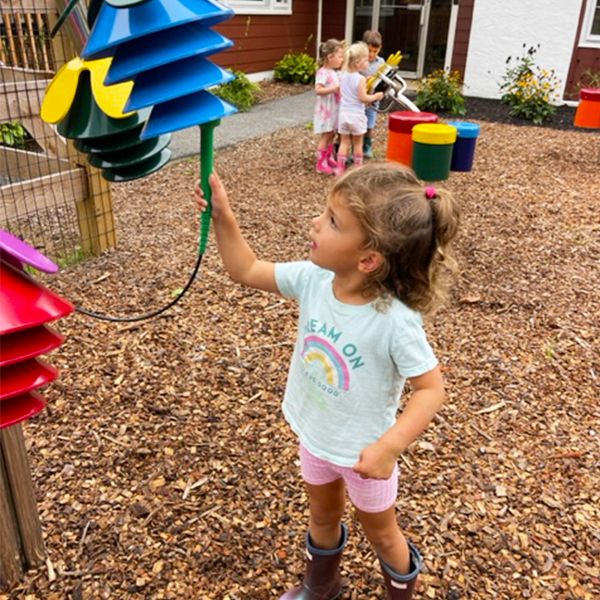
{"points": [[241, 92], [296, 67], [441, 91], [13, 134], [527, 89]]}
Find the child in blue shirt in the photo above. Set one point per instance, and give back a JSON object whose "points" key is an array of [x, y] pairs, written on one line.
{"points": [[377, 257], [374, 42]]}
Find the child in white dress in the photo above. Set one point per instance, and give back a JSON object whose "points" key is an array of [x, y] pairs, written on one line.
{"points": [[327, 87], [352, 121]]}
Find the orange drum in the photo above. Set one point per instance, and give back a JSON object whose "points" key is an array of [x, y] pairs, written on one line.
{"points": [[588, 110], [400, 125]]}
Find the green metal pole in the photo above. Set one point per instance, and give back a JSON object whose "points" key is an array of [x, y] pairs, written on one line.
{"points": [[206, 168]]}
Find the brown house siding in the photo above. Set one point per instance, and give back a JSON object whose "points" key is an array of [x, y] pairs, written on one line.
{"points": [[463, 33], [581, 60], [262, 40], [334, 20]]}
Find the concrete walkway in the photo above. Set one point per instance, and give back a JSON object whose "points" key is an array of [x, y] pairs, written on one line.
{"points": [[261, 120]]}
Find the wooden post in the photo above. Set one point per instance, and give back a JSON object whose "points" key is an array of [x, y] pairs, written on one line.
{"points": [[11, 563], [95, 214], [22, 544]]}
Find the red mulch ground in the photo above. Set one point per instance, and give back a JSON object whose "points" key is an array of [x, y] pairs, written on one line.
{"points": [[164, 469]]}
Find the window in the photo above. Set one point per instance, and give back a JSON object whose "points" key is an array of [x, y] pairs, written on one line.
{"points": [[261, 7], [590, 31]]}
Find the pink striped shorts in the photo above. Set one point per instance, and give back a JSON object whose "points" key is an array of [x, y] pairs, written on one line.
{"points": [[368, 495]]}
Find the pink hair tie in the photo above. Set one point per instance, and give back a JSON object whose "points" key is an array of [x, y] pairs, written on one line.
{"points": [[430, 192]]}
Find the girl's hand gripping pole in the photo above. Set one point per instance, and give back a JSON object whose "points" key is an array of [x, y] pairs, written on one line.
{"points": [[206, 168]]}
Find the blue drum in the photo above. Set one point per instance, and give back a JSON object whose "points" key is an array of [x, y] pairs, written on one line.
{"points": [[463, 152]]}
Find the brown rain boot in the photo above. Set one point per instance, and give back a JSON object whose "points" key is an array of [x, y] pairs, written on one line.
{"points": [[401, 587], [322, 579]]}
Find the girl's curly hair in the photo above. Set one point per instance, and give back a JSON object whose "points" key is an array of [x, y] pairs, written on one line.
{"points": [[412, 232]]}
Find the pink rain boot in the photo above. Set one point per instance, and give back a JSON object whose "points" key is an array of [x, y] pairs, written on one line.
{"points": [[358, 159], [331, 161], [322, 165], [341, 164]]}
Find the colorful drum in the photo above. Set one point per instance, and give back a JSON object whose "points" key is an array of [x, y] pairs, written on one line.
{"points": [[400, 126], [588, 110], [432, 150], [463, 152]]}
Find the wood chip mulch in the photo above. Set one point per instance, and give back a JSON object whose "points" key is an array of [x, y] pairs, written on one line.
{"points": [[163, 466]]}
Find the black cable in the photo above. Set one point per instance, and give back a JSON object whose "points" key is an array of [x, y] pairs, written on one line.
{"points": [[155, 313]]}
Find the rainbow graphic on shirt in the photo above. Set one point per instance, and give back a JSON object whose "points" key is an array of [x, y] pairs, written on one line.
{"points": [[317, 351]]}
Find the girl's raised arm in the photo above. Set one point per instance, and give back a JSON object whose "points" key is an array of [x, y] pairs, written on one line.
{"points": [[238, 258], [362, 93]]}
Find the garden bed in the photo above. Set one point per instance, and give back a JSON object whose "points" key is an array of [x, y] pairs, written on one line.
{"points": [[164, 468], [484, 109]]}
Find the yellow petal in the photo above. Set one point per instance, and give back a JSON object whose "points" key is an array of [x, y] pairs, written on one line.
{"points": [[61, 92], [110, 98]]}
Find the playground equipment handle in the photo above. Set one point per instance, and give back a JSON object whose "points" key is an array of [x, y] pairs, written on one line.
{"points": [[206, 168]]}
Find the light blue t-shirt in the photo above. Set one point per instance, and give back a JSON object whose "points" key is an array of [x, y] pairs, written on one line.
{"points": [[349, 365], [373, 66]]}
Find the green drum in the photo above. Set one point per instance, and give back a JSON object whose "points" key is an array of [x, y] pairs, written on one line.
{"points": [[432, 150]]}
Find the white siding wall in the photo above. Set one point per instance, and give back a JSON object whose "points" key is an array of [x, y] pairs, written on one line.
{"points": [[499, 30]]}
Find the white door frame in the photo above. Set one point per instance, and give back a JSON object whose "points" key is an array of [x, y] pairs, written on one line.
{"points": [[424, 27], [349, 20], [451, 35]]}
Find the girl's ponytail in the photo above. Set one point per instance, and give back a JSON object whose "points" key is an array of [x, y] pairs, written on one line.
{"points": [[446, 219], [445, 222]]}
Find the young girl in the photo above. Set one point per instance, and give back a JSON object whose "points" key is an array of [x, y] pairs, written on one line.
{"points": [[327, 87], [377, 255], [352, 121]]}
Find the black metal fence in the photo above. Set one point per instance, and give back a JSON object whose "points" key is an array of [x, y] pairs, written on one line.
{"points": [[49, 195]]}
